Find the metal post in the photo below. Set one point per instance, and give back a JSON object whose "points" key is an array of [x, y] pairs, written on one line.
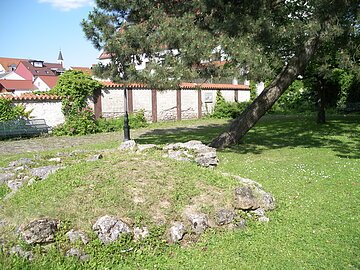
{"points": [[126, 117]]}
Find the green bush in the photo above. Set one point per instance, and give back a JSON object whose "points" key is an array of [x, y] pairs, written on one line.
{"points": [[296, 99], [75, 87], [224, 109], [136, 120], [81, 123], [9, 111]]}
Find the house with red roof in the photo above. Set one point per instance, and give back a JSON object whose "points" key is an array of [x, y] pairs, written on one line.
{"points": [[31, 69], [9, 64], [45, 83], [86, 70], [17, 87]]}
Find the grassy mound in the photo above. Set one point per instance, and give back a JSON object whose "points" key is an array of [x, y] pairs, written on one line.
{"points": [[312, 171]]}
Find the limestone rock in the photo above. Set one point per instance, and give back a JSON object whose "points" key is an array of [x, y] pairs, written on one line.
{"points": [[239, 223], [21, 161], [4, 177], [14, 185], [75, 252], [143, 147], [40, 231], [266, 200], [74, 236], [199, 222], [128, 145], [44, 172], [109, 228], [179, 155], [263, 219], [95, 157], [224, 216], [19, 251], [177, 232], [140, 233], [260, 212], [55, 159], [203, 155], [245, 199]]}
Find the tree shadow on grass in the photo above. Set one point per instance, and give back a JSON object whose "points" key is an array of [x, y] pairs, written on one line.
{"points": [[340, 133], [204, 133]]}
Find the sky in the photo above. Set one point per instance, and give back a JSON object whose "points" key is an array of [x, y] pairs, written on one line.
{"points": [[38, 29]]}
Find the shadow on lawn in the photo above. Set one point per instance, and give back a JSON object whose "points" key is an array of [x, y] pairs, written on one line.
{"points": [[341, 134]]}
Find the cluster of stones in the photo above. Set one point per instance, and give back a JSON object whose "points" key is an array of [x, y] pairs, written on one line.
{"points": [[25, 171], [193, 150], [249, 199]]}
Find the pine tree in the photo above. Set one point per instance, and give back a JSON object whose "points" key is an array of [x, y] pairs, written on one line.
{"points": [[272, 39]]}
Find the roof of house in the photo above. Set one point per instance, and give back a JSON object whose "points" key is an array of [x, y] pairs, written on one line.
{"points": [[86, 70], [17, 85], [184, 85], [104, 55], [30, 96], [46, 70], [49, 80], [6, 61]]}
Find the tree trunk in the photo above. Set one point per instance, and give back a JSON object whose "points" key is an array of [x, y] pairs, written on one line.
{"points": [[241, 125], [320, 102]]}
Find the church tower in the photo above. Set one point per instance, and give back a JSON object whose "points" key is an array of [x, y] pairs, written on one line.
{"points": [[60, 59]]}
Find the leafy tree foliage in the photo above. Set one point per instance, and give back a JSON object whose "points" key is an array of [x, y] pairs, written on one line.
{"points": [[76, 87], [9, 111], [270, 39]]}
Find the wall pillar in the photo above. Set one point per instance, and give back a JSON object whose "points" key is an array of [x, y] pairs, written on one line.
{"points": [[130, 101], [154, 105], [178, 104], [199, 104], [97, 103]]}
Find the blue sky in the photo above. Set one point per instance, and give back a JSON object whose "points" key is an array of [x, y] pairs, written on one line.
{"points": [[37, 29]]}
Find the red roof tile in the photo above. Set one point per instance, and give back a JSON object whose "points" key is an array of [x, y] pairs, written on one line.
{"points": [[210, 86], [31, 96], [46, 70], [86, 70], [50, 80], [104, 55], [6, 62], [17, 85]]}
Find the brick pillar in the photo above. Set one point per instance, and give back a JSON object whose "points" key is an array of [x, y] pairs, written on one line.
{"points": [[199, 104], [97, 103], [130, 101], [178, 104], [236, 95], [154, 105]]}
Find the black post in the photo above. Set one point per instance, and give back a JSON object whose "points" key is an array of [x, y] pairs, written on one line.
{"points": [[126, 117]]}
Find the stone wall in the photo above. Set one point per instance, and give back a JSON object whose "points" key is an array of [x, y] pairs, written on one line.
{"points": [[157, 105], [167, 104], [50, 110]]}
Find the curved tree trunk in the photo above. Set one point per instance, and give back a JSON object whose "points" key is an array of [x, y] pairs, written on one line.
{"points": [[241, 125]]}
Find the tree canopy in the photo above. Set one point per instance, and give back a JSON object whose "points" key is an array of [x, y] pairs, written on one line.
{"points": [[264, 39]]}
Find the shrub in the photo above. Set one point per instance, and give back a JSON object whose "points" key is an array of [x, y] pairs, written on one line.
{"points": [[75, 87], [81, 123], [224, 109], [296, 99], [136, 120], [9, 111]]}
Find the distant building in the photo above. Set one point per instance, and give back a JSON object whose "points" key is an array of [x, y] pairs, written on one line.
{"points": [[17, 87], [9, 64], [10, 76], [86, 70], [45, 83], [31, 69]]}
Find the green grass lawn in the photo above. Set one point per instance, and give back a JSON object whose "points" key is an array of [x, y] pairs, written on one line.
{"points": [[312, 170]]}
